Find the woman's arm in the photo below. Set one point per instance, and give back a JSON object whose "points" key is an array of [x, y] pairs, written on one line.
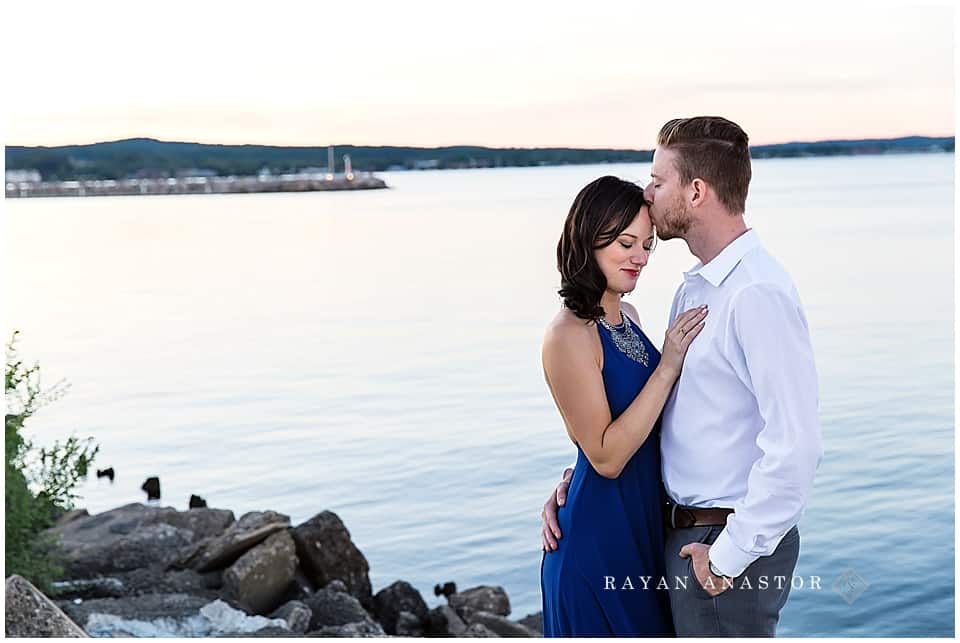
{"points": [[576, 382]]}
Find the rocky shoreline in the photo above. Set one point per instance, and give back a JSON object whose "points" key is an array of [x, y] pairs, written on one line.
{"points": [[145, 570]]}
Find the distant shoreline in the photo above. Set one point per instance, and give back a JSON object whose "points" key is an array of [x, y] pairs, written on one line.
{"points": [[149, 159]]}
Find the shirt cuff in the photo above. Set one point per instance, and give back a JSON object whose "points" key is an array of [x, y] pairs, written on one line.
{"points": [[728, 558]]}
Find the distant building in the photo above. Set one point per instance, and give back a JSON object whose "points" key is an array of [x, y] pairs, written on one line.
{"points": [[432, 164], [22, 176], [195, 172]]}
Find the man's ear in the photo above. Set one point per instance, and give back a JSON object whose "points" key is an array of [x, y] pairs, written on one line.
{"points": [[698, 192]]}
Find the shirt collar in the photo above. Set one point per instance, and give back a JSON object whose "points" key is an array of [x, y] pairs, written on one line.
{"points": [[723, 264]]}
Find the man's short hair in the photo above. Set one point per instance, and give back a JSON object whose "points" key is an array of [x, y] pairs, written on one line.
{"points": [[715, 150]]}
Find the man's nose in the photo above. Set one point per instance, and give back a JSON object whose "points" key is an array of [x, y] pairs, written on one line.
{"points": [[648, 192]]}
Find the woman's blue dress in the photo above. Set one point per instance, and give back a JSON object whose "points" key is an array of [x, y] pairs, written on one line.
{"points": [[613, 533]]}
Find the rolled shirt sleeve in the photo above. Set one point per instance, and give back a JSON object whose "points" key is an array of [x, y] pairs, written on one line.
{"points": [[773, 357]]}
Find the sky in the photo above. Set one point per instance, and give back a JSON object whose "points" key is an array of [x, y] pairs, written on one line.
{"points": [[502, 74]]}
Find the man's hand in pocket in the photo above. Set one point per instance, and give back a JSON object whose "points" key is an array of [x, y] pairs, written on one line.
{"points": [[700, 556]]}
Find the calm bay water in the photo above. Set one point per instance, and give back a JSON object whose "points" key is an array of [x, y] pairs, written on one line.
{"points": [[377, 354]]}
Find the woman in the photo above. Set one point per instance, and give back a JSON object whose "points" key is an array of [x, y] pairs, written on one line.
{"points": [[610, 384]]}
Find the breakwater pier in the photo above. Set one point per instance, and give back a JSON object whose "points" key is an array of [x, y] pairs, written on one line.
{"points": [[196, 185]]}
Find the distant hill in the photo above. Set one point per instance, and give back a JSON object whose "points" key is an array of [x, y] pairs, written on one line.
{"points": [[144, 157]]}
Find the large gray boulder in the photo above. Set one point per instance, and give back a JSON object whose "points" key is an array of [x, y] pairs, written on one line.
{"points": [[202, 521], [131, 537], [484, 598], [220, 551], [400, 597], [260, 578], [29, 613], [147, 546], [326, 553]]}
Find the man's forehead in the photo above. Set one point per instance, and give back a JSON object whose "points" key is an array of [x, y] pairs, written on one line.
{"points": [[661, 164]]}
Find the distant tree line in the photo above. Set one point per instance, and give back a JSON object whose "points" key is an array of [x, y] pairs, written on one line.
{"points": [[906, 144], [149, 158]]}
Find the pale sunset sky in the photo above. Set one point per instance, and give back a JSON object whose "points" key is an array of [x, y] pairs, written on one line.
{"points": [[523, 74]]}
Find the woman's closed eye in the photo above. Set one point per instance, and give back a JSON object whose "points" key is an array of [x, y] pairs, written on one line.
{"points": [[626, 245]]}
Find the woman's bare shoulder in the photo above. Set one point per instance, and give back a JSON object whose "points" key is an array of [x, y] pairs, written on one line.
{"points": [[566, 331]]}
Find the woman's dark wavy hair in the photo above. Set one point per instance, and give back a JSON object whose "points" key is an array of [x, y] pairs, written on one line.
{"points": [[601, 211]]}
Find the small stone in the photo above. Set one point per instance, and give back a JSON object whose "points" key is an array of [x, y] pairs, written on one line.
{"points": [[445, 590], [334, 608], [484, 598], [444, 621], [297, 615], [408, 625], [533, 621], [360, 629], [478, 631], [396, 599], [500, 626], [152, 487]]}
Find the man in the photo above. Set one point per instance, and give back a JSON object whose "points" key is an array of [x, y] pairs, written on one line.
{"points": [[740, 437]]}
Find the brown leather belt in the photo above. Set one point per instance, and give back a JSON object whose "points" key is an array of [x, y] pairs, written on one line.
{"points": [[681, 516]]}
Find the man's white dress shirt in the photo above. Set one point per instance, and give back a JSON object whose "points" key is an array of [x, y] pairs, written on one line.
{"points": [[740, 428]]}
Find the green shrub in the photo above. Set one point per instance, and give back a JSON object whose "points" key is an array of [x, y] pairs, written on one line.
{"points": [[40, 482]]}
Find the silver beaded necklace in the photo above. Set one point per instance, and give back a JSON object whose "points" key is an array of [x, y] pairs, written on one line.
{"points": [[626, 339]]}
